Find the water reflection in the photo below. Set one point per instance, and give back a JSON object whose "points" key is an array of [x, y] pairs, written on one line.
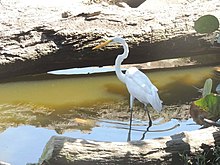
{"points": [[27, 142], [23, 144], [86, 70]]}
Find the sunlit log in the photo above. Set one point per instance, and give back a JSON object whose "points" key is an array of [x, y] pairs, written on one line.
{"points": [[65, 150]]}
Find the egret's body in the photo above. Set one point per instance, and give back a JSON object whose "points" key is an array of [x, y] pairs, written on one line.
{"points": [[137, 83], [141, 88]]}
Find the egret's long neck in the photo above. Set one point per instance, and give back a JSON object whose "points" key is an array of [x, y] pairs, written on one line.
{"points": [[119, 60]]}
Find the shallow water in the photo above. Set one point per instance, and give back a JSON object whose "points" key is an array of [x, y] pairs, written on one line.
{"points": [[34, 108]]}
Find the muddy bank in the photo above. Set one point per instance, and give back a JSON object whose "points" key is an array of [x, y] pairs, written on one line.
{"points": [[43, 36]]}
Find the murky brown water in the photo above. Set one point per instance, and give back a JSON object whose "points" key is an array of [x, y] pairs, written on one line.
{"points": [[54, 92]]}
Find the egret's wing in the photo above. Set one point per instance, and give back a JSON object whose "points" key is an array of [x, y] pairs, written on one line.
{"points": [[155, 101], [140, 86], [141, 80]]}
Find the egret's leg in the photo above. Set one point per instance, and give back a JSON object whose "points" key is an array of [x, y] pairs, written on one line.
{"points": [[131, 111], [150, 121], [149, 124]]}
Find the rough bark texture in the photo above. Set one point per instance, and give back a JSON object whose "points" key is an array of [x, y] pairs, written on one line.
{"points": [[64, 150], [38, 36]]}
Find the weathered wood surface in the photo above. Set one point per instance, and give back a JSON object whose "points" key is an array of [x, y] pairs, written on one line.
{"points": [[65, 150], [38, 36]]}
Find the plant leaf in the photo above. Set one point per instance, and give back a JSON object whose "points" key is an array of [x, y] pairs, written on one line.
{"points": [[207, 87], [211, 104], [206, 24]]}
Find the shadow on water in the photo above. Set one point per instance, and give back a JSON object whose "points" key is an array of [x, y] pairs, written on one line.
{"points": [[95, 106], [179, 90]]}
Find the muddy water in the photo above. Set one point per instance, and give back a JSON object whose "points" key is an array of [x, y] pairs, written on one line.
{"points": [[34, 108], [61, 93]]}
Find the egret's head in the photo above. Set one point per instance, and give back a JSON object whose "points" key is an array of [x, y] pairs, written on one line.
{"points": [[113, 39]]}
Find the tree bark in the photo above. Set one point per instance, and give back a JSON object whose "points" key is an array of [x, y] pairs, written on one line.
{"points": [[36, 38], [165, 150]]}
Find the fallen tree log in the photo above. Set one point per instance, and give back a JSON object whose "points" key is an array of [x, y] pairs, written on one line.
{"points": [[165, 150], [43, 36]]}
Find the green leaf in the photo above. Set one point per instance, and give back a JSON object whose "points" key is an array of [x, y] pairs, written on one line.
{"points": [[206, 24], [207, 87], [211, 104]]}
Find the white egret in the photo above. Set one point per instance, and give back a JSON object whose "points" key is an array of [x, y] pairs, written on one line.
{"points": [[137, 83]]}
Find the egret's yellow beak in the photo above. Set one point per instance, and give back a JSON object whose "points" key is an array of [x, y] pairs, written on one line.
{"points": [[102, 44]]}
